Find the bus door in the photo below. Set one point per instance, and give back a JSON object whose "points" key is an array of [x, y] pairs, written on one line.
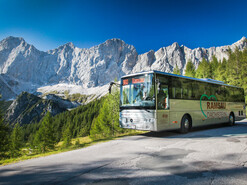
{"points": [[162, 106]]}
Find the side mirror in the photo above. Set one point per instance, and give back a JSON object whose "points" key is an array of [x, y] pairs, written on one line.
{"points": [[158, 84], [110, 86]]}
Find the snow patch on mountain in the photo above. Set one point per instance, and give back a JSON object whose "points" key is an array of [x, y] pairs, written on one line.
{"points": [[62, 88]]}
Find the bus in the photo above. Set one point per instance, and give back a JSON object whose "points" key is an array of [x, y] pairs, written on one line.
{"points": [[158, 101]]}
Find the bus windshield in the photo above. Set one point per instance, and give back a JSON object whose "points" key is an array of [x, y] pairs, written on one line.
{"points": [[138, 91]]}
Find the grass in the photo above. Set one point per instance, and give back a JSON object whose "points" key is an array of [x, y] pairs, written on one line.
{"points": [[76, 143]]}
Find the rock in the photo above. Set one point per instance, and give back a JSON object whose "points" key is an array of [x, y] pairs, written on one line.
{"points": [[66, 104], [28, 108], [24, 68]]}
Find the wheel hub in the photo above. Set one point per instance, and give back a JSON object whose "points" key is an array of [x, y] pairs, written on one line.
{"points": [[186, 124], [231, 119]]}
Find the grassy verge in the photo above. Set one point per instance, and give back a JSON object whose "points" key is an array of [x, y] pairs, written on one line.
{"points": [[76, 143]]}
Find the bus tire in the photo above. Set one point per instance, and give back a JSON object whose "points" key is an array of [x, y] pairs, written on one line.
{"points": [[231, 119], [185, 124]]}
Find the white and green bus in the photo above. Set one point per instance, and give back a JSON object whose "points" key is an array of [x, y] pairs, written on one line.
{"points": [[158, 101]]}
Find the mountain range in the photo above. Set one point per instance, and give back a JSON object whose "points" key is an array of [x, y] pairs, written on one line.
{"points": [[25, 68]]}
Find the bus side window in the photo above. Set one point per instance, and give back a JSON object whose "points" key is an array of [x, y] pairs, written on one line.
{"points": [[242, 95], [163, 97], [173, 92], [190, 97], [228, 96], [195, 93], [185, 93], [186, 89], [176, 88], [178, 92], [222, 93], [232, 96], [238, 94]]}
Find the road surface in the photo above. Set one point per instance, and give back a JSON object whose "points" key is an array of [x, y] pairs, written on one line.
{"points": [[212, 155]]}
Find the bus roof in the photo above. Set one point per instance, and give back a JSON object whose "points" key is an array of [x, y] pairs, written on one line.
{"points": [[207, 80]]}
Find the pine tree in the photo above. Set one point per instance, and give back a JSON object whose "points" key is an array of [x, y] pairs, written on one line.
{"points": [[67, 136], [106, 124], [243, 68], [243, 74], [4, 137], [16, 139], [190, 70], [176, 71], [220, 73], [102, 125], [234, 67], [44, 138], [214, 64], [203, 70]]}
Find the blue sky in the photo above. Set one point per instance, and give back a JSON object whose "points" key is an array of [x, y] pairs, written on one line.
{"points": [[147, 25]]}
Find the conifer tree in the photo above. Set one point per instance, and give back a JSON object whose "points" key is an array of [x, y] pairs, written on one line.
{"points": [[106, 124], [221, 73], [67, 136], [176, 70], [44, 138], [214, 64], [190, 70], [244, 72], [203, 70], [4, 137], [16, 139], [234, 68]]}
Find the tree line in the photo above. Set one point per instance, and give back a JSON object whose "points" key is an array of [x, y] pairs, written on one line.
{"points": [[98, 119]]}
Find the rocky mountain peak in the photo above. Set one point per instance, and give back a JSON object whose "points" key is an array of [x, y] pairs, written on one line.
{"points": [[68, 45], [14, 39], [115, 43], [243, 38], [12, 42], [175, 45], [242, 41], [240, 44], [29, 108], [113, 40], [26, 68]]}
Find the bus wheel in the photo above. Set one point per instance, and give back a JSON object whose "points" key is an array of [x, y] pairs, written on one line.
{"points": [[231, 119], [185, 124]]}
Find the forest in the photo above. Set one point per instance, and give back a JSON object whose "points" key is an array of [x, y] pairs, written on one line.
{"points": [[99, 119]]}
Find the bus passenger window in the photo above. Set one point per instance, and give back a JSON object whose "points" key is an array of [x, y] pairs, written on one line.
{"points": [[173, 92], [190, 94], [185, 93], [178, 93], [162, 97]]}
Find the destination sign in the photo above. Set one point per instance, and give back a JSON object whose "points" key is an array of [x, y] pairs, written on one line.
{"points": [[126, 82], [138, 80]]}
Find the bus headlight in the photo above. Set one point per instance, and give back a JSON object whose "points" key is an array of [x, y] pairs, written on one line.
{"points": [[124, 121]]}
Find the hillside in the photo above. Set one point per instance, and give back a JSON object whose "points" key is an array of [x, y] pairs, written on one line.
{"points": [[28, 108]]}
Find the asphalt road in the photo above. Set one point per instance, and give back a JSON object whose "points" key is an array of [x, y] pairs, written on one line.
{"points": [[211, 155]]}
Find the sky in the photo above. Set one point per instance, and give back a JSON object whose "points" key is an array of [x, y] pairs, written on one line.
{"points": [[144, 24]]}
